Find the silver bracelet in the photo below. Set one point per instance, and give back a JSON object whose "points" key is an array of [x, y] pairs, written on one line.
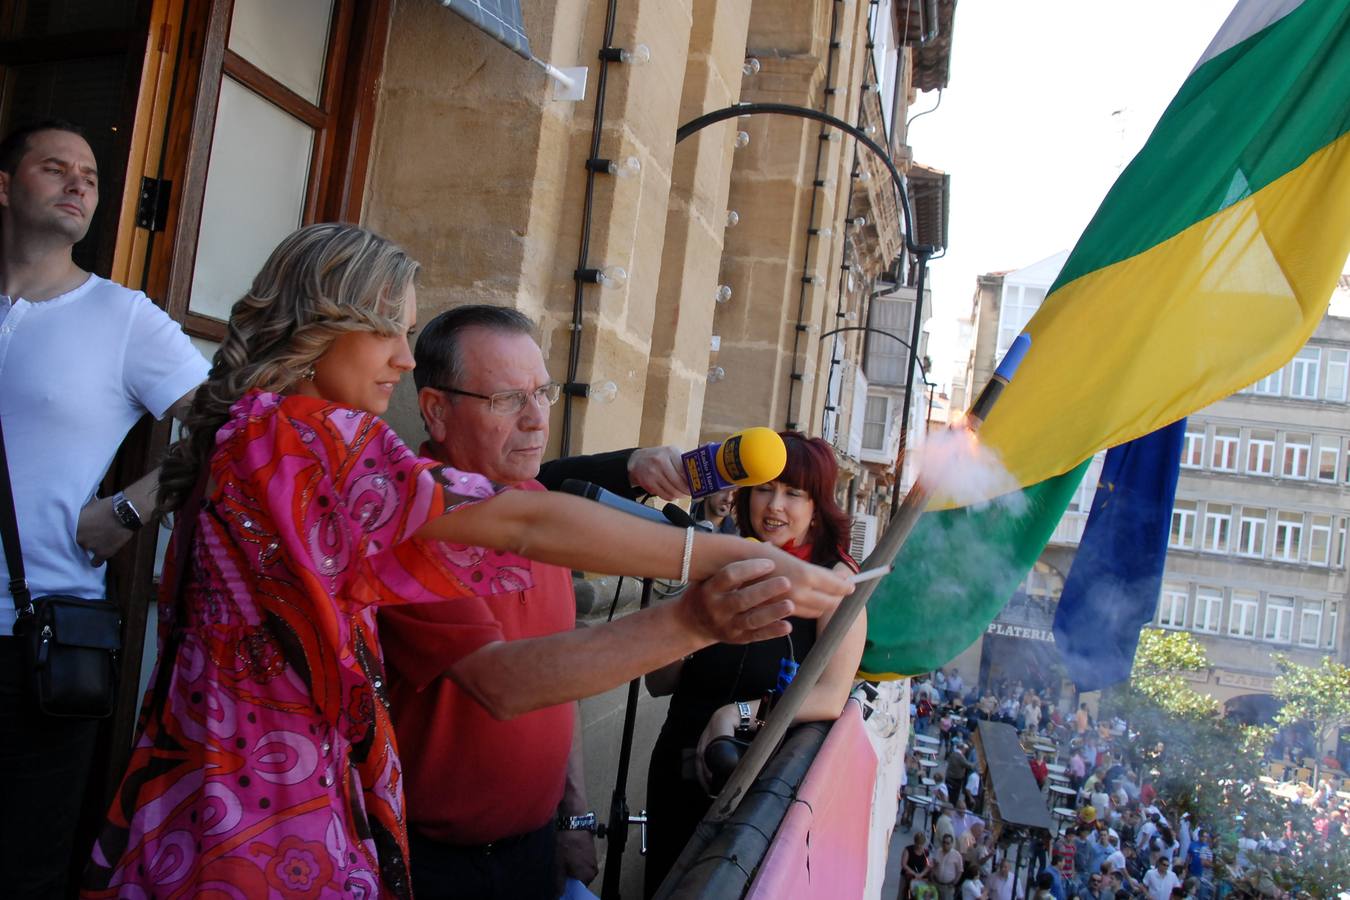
{"points": [[688, 556]]}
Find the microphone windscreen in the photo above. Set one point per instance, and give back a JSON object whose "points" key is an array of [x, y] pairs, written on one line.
{"points": [[752, 456]]}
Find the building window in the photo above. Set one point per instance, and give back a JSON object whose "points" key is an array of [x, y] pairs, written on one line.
{"points": [[1303, 373], [1279, 619], [1333, 619], [1338, 362], [1328, 461], [1319, 540], [1271, 385], [1183, 524], [1310, 623], [1261, 453], [1338, 544], [1288, 535], [887, 358], [1172, 607], [1218, 524], [1242, 615], [1297, 450], [1208, 609], [875, 420], [1020, 303], [1224, 456], [1252, 532], [1193, 451]]}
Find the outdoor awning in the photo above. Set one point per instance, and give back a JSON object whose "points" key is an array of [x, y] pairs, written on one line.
{"points": [[499, 18], [1016, 799]]}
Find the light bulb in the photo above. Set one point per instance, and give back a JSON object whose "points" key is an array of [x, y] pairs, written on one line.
{"points": [[750, 66], [813, 280], [638, 55], [870, 87], [742, 139], [858, 222], [716, 374], [826, 232], [870, 129], [807, 378], [602, 391], [723, 293], [864, 176], [626, 167], [733, 218], [832, 136], [613, 277]]}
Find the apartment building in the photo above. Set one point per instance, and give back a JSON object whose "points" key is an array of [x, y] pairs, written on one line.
{"points": [[1256, 560]]}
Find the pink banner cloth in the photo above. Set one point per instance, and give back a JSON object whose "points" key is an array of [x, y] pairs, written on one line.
{"points": [[820, 850]]}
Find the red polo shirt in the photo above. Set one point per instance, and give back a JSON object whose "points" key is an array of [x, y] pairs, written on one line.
{"points": [[468, 778]]}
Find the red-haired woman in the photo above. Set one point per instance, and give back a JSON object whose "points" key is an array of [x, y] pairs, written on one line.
{"points": [[796, 512]]}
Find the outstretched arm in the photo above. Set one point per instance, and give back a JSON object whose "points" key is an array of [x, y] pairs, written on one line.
{"points": [[569, 531], [737, 605]]}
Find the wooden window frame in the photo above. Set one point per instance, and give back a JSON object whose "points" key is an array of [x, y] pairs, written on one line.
{"points": [[343, 122]]}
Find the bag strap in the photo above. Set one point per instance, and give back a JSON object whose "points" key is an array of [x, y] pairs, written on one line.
{"points": [[9, 531]]}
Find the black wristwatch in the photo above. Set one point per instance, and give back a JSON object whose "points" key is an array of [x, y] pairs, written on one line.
{"points": [[588, 821], [744, 730], [126, 512]]}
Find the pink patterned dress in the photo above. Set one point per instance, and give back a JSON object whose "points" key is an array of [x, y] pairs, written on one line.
{"points": [[266, 765]]}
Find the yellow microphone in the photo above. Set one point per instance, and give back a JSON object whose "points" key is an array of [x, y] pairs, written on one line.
{"points": [[752, 456]]}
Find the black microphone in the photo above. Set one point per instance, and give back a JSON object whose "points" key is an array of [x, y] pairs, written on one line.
{"points": [[612, 500], [677, 516]]}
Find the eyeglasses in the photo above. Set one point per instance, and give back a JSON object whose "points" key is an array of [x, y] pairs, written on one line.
{"points": [[508, 403]]}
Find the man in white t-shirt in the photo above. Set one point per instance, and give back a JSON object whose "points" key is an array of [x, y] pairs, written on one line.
{"points": [[81, 360], [973, 799], [1115, 857], [956, 688], [1160, 880]]}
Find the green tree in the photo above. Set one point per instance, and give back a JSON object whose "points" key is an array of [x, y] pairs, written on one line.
{"points": [[1318, 696], [1210, 767]]}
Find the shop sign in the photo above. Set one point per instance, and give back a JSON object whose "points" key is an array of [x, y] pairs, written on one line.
{"points": [[1025, 632]]}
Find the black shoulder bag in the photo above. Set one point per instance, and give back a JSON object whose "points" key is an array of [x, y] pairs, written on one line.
{"points": [[71, 644]]}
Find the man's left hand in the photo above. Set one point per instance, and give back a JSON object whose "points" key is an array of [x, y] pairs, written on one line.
{"points": [[98, 532], [657, 470], [574, 858]]}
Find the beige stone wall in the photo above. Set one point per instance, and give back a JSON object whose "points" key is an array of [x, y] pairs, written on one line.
{"points": [[695, 224], [769, 253], [482, 174]]}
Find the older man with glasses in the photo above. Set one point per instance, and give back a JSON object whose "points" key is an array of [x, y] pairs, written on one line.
{"points": [[482, 693]]}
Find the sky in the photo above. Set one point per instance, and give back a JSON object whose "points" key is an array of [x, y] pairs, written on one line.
{"points": [[1046, 103]]}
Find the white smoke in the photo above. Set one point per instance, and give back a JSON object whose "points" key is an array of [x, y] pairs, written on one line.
{"points": [[959, 470]]}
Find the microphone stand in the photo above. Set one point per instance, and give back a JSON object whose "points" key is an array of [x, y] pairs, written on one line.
{"points": [[616, 833]]}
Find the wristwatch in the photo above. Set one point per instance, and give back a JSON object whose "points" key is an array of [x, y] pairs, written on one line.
{"points": [[587, 821], [744, 730], [126, 512]]}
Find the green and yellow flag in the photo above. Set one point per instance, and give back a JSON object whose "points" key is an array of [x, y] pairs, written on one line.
{"points": [[1208, 265]]}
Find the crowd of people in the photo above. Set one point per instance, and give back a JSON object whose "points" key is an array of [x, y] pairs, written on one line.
{"points": [[1124, 840], [368, 663]]}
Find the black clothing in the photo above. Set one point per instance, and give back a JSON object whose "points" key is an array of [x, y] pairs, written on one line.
{"points": [[47, 760], [609, 470], [710, 679], [517, 868]]}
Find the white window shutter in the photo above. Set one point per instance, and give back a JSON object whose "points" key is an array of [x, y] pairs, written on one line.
{"points": [[862, 537]]}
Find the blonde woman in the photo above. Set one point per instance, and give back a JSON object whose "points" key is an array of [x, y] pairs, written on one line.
{"points": [[266, 764]]}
